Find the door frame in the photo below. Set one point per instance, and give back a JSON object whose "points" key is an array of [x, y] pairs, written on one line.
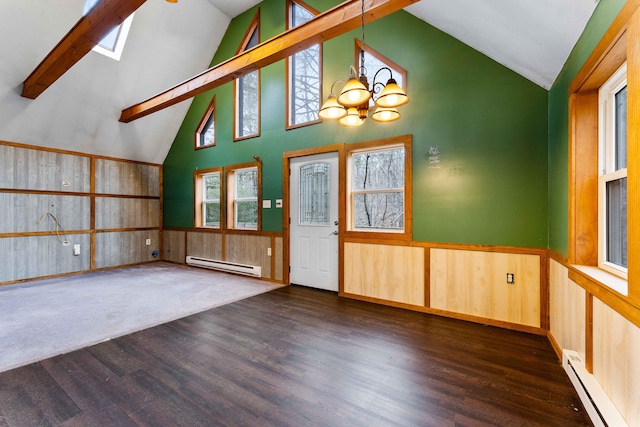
{"points": [[286, 229]]}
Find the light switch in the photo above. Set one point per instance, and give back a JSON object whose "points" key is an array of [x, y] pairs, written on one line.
{"points": [[278, 203], [266, 204]]}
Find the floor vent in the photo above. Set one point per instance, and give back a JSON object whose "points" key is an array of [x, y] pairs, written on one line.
{"points": [[229, 267], [599, 406]]}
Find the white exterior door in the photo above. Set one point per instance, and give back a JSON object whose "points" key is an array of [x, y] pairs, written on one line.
{"points": [[313, 196]]}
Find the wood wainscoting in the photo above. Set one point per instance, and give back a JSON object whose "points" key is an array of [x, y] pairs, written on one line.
{"points": [[250, 248], [468, 282]]}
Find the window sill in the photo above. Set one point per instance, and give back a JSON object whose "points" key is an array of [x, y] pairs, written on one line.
{"points": [[604, 278]]}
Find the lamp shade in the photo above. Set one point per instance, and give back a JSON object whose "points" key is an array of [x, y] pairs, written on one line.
{"points": [[331, 110], [354, 93], [385, 115], [352, 118], [392, 96], [172, 1]]}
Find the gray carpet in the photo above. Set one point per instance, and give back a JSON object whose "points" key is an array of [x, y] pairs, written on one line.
{"points": [[45, 318]]}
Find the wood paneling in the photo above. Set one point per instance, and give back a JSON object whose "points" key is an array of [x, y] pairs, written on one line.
{"points": [[616, 365], [21, 213], [30, 169], [125, 247], [127, 178], [174, 246], [249, 249], [394, 273], [204, 245], [567, 309], [112, 212], [38, 256], [475, 283], [278, 258]]}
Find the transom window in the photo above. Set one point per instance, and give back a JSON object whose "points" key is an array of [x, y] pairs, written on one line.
{"points": [[208, 185], [303, 69], [206, 132], [112, 44], [247, 91], [612, 183], [377, 176], [243, 184]]}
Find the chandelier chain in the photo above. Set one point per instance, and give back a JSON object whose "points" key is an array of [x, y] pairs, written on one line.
{"points": [[363, 70]]}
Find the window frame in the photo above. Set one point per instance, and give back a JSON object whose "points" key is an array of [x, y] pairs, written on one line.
{"points": [[289, 70], [405, 142], [199, 198], [209, 114], [230, 172], [358, 46], [254, 27], [121, 37], [607, 169]]}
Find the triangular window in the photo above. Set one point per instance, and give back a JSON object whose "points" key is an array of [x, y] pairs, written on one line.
{"points": [[374, 61], [112, 44], [206, 132], [247, 90]]}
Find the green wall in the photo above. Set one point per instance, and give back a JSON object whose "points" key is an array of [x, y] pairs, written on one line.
{"points": [[559, 123], [489, 123]]}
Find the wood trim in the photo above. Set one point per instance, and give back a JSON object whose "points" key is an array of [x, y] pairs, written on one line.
{"points": [[230, 218], [92, 237], [332, 23], [76, 194], [74, 153], [79, 41], [633, 157], [286, 218], [453, 315], [211, 110], [287, 121], [554, 344], [41, 233], [254, 27], [118, 230], [197, 196], [588, 339], [427, 277], [545, 291]]}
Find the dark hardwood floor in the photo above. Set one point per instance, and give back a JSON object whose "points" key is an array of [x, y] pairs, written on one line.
{"points": [[299, 357]]}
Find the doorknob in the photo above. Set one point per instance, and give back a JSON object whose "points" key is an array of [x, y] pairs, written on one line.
{"points": [[335, 233], [335, 223]]}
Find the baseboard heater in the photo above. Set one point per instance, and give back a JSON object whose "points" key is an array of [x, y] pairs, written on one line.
{"points": [[599, 406], [229, 267]]}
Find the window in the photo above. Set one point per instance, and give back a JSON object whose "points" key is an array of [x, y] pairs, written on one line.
{"points": [[112, 44], [247, 91], [378, 179], [303, 73], [206, 132], [208, 185], [243, 195], [612, 183], [373, 62]]}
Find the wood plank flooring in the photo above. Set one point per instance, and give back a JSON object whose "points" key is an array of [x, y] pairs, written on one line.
{"points": [[299, 357]]}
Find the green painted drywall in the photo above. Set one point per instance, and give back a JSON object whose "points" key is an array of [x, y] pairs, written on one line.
{"points": [[604, 14], [489, 123]]}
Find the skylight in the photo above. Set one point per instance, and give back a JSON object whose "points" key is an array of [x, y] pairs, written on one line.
{"points": [[113, 43]]}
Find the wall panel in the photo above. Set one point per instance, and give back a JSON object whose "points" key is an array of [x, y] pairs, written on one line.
{"points": [[616, 364], [30, 169], [173, 244], [277, 252], [125, 247], [35, 256], [113, 212], [567, 303], [127, 178], [393, 273], [22, 213], [249, 249], [474, 283], [204, 245]]}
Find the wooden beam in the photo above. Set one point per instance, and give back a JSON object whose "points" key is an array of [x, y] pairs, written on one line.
{"points": [[84, 35], [332, 23]]}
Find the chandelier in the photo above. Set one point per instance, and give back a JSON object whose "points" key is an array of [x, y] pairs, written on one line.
{"points": [[351, 107]]}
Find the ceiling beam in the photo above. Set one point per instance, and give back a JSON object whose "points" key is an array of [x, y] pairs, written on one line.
{"points": [[332, 23], [84, 35]]}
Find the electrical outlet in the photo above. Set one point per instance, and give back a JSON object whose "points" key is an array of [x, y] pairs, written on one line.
{"points": [[76, 249], [268, 251], [148, 242], [511, 278]]}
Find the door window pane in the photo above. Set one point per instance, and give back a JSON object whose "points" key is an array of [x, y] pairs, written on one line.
{"points": [[314, 194]]}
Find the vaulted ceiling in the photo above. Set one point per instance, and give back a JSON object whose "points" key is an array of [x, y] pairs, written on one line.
{"points": [[169, 43]]}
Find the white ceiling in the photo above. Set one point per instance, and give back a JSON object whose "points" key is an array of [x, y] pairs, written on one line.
{"points": [[169, 43]]}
